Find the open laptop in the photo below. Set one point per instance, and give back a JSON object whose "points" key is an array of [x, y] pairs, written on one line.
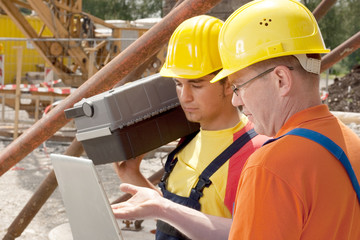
{"points": [[86, 203]]}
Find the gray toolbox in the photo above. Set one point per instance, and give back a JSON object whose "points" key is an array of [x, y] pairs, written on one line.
{"points": [[130, 120]]}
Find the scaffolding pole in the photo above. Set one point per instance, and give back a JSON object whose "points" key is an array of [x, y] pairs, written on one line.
{"points": [[340, 52], [323, 7]]}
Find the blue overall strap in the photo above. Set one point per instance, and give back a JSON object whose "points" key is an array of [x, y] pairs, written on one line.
{"points": [[171, 161], [204, 178], [332, 147], [185, 141]]}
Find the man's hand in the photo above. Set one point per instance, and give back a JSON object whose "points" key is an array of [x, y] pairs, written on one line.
{"points": [[149, 204], [144, 204]]}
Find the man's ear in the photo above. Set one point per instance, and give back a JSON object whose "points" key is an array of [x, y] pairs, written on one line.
{"points": [[284, 79], [227, 88]]}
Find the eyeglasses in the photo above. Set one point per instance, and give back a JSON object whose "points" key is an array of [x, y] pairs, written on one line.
{"points": [[236, 88]]}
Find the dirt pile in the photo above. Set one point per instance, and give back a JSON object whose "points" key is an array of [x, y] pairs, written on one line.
{"points": [[344, 93]]}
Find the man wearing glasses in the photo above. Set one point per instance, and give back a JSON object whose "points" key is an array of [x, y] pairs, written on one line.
{"points": [[303, 184]]}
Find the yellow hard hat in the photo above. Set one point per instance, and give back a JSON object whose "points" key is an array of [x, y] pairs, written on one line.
{"points": [[193, 48], [265, 29]]}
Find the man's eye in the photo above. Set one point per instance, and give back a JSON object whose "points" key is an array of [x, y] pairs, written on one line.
{"points": [[196, 86]]}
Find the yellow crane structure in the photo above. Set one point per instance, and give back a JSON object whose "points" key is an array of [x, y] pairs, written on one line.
{"points": [[71, 31]]}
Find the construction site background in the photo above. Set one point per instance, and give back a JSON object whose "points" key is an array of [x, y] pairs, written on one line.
{"points": [[22, 180], [10, 37], [34, 65]]}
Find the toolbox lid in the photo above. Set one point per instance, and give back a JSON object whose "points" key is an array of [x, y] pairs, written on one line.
{"points": [[125, 105]]}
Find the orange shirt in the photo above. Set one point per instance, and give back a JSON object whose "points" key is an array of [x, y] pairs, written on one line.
{"points": [[294, 188]]}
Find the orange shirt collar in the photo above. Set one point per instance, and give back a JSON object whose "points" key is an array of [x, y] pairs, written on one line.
{"points": [[309, 114]]}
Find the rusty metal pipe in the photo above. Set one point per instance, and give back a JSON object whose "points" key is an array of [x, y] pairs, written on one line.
{"points": [[323, 7], [40, 196], [103, 80], [340, 52]]}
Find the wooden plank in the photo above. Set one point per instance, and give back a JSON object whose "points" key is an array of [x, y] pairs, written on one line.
{"points": [[3, 96], [17, 92], [72, 8], [59, 136], [20, 21], [37, 102], [22, 4]]}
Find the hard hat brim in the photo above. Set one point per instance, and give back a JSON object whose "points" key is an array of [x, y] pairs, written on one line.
{"points": [[222, 74], [183, 73]]}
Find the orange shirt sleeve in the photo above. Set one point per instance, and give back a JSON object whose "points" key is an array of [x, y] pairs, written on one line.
{"points": [[266, 207]]}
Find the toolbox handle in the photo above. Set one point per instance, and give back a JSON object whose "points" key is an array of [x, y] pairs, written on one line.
{"points": [[86, 109]]}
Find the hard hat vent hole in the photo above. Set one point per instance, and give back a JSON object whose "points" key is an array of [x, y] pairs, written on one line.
{"points": [[265, 22]]}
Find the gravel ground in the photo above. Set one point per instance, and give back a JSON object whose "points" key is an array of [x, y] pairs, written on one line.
{"points": [[19, 184]]}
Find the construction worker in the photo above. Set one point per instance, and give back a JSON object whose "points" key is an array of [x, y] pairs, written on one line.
{"points": [[304, 183], [203, 171]]}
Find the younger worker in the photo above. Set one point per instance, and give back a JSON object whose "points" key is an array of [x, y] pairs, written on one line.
{"points": [[203, 171]]}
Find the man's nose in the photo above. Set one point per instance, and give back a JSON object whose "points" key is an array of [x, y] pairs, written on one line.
{"points": [[186, 94], [236, 100]]}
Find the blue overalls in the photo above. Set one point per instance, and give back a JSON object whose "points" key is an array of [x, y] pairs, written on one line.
{"points": [[168, 232], [329, 145]]}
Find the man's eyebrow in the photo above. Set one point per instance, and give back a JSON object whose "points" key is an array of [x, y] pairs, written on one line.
{"points": [[196, 80], [191, 80]]}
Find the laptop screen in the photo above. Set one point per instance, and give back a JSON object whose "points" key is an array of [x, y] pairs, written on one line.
{"points": [[85, 200]]}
